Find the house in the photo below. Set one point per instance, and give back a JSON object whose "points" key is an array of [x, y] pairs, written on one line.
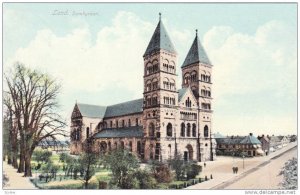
{"points": [[236, 145], [265, 143]]}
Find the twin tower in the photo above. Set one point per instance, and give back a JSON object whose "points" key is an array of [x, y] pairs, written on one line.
{"points": [[181, 117]]}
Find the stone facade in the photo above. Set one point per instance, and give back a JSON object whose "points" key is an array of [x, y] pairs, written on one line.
{"points": [[167, 121]]}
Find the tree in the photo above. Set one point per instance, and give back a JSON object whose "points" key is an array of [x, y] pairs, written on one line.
{"points": [[178, 165], [10, 133], [161, 172], [34, 104], [122, 164], [192, 170], [88, 162], [42, 156], [145, 179]]}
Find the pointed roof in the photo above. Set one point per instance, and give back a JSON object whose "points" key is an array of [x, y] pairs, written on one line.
{"points": [[196, 53], [92, 111], [160, 40], [250, 139]]}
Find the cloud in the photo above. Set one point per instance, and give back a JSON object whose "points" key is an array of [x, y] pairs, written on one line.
{"points": [[252, 63], [81, 65], [254, 76]]}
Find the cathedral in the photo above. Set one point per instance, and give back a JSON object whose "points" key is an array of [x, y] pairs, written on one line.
{"points": [[167, 121]]}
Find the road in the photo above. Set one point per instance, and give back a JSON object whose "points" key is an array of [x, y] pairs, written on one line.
{"points": [[221, 169], [266, 177]]}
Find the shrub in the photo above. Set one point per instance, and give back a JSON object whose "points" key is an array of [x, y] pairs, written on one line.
{"points": [[178, 165], [192, 170], [163, 174], [145, 180]]}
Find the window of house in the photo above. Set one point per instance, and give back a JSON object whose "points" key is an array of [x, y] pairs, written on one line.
{"points": [[182, 130], [87, 132], [188, 130], [194, 130], [151, 130], [205, 131], [169, 130]]}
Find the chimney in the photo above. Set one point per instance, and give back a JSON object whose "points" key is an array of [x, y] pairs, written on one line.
{"points": [[250, 134], [263, 135]]}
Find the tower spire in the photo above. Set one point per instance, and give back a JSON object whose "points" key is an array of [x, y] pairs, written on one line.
{"points": [[196, 53], [160, 40]]}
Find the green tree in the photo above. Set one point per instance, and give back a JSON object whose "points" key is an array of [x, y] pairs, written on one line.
{"points": [[178, 165], [192, 170], [161, 172], [145, 179], [88, 164], [42, 156], [122, 164]]}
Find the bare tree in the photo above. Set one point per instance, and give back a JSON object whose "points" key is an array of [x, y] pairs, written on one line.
{"points": [[34, 100], [11, 131]]}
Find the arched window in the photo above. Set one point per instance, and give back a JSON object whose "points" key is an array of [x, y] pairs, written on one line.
{"points": [[87, 132], [122, 145], [187, 78], [194, 76], [136, 122], [117, 124], [151, 129], [130, 146], [154, 99], [182, 130], [188, 102], [205, 131], [188, 130], [148, 85], [166, 83], [123, 123], [169, 130], [109, 146], [194, 130]]}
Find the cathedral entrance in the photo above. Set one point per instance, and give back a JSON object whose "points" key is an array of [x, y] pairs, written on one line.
{"points": [[188, 155], [185, 156]]}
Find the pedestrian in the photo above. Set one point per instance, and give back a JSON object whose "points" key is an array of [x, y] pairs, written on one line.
{"points": [[237, 169], [204, 164], [233, 169]]}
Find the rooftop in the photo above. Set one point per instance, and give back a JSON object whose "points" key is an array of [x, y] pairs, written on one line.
{"points": [[160, 40], [196, 54], [133, 131]]}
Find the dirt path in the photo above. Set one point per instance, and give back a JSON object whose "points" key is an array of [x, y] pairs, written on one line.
{"points": [[266, 177], [16, 181]]}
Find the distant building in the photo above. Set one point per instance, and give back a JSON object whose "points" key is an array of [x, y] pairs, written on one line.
{"points": [[236, 145], [265, 143], [277, 142], [283, 140], [54, 145], [293, 138]]}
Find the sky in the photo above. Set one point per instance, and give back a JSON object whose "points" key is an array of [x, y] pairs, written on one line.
{"points": [[95, 50]]}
